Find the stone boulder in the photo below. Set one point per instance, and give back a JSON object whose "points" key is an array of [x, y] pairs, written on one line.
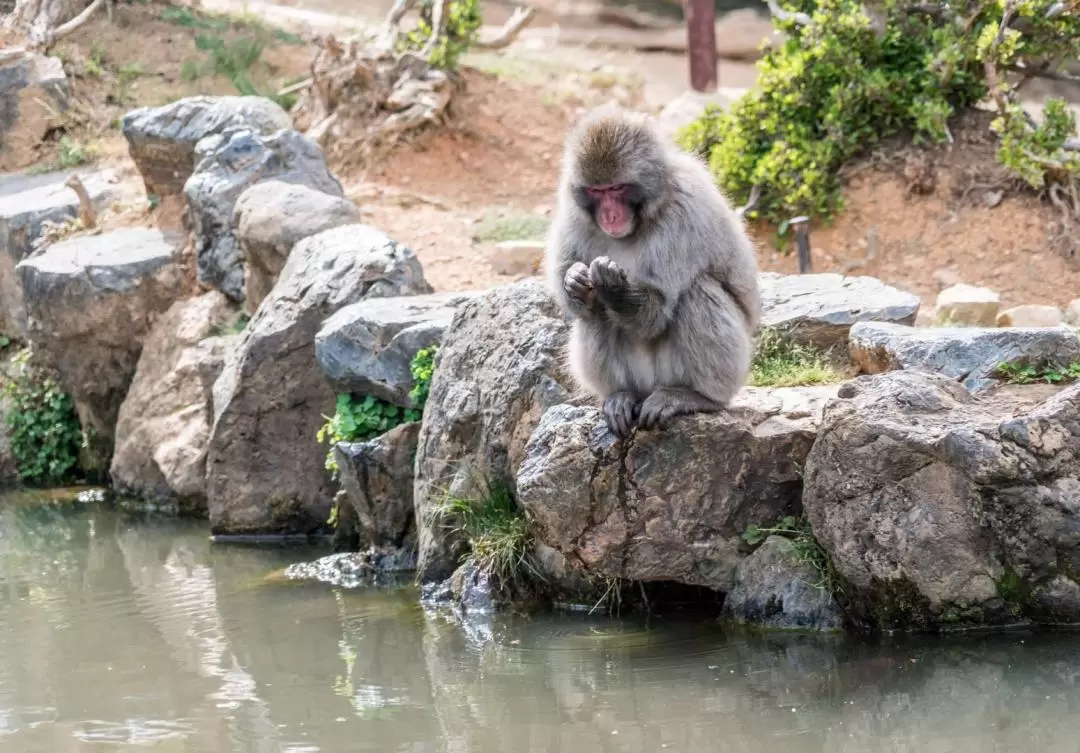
{"points": [[942, 508], [162, 140], [819, 309], [265, 471], [1031, 315], [971, 355], [270, 218], [367, 348], [775, 588], [377, 478], [668, 505], [27, 203], [90, 302], [164, 422], [1072, 313], [33, 89], [962, 305], [499, 367], [229, 163]]}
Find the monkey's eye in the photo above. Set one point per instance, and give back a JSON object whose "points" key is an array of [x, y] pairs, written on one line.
{"points": [[610, 189]]}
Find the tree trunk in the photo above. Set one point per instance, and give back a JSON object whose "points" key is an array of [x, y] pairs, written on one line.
{"points": [[33, 18]]}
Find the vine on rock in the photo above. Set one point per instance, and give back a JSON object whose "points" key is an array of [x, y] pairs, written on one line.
{"points": [[847, 77]]}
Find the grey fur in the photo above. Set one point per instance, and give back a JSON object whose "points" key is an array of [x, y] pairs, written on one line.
{"points": [[664, 318]]}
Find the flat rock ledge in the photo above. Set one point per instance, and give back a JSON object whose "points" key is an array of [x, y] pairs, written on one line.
{"points": [[668, 505]]}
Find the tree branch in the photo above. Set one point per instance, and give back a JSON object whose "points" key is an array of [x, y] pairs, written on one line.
{"points": [[801, 19], [510, 30], [438, 27], [390, 28], [755, 196], [1001, 99], [1042, 72]]}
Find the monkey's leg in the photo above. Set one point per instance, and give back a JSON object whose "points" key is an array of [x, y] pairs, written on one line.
{"points": [[620, 412], [667, 402]]}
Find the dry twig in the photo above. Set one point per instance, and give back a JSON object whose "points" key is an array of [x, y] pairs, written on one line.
{"points": [[510, 30]]}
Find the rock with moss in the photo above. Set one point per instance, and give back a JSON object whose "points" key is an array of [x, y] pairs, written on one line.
{"points": [[971, 355], [819, 309], [162, 140], [229, 163], [265, 469], [368, 348], [90, 303], [500, 366], [941, 508], [377, 481], [164, 423], [668, 505], [271, 217], [776, 587]]}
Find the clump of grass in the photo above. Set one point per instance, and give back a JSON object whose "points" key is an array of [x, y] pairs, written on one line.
{"points": [[1029, 373], [70, 153], [233, 327], [778, 362], [497, 534], [500, 226], [804, 547]]}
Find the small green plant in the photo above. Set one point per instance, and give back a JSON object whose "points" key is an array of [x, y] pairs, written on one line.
{"points": [[1028, 373], [422, 369], [236, 59], [497, 226], [805, 548], [779, 362], [462, 22], [45, 432], [497, 534], [357, 420], [233, 327], [4, 341], [842, 81]]}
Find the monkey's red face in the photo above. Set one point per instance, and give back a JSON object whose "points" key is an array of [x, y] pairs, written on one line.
{"points": [[613, 208]]}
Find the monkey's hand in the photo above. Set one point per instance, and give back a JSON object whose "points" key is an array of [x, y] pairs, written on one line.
{"points": [[578, 285], [608, 278]]}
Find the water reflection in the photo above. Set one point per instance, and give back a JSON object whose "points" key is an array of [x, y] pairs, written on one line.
{"points": [[118, 632]]}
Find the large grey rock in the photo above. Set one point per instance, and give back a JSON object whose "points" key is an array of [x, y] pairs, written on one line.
{"points": [[270, 218], [377, 478], [229, 163], [367, 348], [971, 355], [33, 91], [938, 507], [668, 505], [775, 588], [163, 426], [265, 470], [819, 309], [162, 140], [90, 301], [499, 367], [27, 202]]}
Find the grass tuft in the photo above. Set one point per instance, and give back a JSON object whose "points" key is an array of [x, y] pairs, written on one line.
{"points": [[781, 363]]}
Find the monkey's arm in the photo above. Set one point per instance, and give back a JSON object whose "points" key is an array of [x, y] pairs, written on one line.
{"points": [[632, 305]]}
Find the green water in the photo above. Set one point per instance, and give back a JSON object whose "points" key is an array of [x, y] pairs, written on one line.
{"points": [[122, 633]]}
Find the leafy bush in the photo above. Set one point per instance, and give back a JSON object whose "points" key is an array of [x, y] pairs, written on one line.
{"points": [[780, 363], [45, 432], [1028, 373], [461, 24], [841, 83], [355, 420]]}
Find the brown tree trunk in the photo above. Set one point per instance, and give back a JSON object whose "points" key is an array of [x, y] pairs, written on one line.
{"points": [[33, 18]]}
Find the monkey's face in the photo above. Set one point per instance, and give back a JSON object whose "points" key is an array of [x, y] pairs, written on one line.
{"points": [[613, 206]]}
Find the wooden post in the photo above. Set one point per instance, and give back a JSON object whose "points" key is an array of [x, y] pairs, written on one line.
{"points": [[701, 44]]}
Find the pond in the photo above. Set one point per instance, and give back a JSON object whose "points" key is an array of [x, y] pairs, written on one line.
{"points": [[120, 632]]}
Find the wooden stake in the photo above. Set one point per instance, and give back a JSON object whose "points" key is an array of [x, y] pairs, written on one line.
{"points": [[701, 44]]}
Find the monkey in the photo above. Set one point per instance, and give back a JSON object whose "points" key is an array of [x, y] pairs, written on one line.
{"points": [[655, 270]]}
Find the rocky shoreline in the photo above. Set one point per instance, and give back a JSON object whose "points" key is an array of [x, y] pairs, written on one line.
{"points": [[921, 489]]}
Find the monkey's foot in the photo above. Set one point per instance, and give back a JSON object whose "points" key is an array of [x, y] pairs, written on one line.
{"points": [[667, 402], [620, 412], [578, 285]]}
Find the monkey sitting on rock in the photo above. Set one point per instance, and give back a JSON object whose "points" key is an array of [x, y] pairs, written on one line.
{"points": [[657, 271]]}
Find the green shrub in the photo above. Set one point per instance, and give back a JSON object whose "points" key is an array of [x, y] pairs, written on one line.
{"points": [[841, 83], [1028, 373], [805, 547], [355, 420], [45, 432], [461, 24]]}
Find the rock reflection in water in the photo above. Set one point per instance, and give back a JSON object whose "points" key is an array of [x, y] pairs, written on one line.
{"points": [[118, 632]]}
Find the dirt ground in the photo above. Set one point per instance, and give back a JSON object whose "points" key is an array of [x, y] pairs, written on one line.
{"points": [[918, 219]]}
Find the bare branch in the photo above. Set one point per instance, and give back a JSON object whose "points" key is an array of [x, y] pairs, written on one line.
{"points": [[510, 30], [1001, 98], [783, 15], [1044, 72], [389, 33], [438, 28], [64, 30], [87, 215], [755, 196]]}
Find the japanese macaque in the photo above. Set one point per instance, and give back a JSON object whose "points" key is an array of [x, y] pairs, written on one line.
{"points": [[656, 269]]}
